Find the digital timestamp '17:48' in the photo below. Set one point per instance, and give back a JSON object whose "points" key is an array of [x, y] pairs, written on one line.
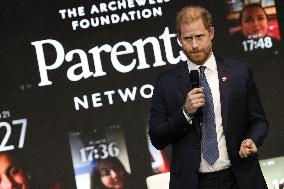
{"points": [[258, 43]]}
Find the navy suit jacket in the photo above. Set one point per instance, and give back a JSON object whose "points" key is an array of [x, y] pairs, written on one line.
{"points": [[242, 117]]}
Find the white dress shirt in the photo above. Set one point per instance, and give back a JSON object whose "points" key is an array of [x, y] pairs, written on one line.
{"points": [[211, 74]]}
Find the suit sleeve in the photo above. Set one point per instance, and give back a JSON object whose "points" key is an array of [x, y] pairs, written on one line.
{"points": [[257, 118], [165, 128]]}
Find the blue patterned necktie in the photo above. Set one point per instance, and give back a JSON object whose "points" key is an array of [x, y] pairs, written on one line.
{"points": [[208, 126]]}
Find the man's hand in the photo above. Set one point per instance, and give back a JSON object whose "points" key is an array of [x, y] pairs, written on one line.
{"points": [[194, 100], [247, 148]]}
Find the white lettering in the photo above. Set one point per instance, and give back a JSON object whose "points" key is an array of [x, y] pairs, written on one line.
{"points": [[84, 23], [41, 59], [111, 6], [157, 12], [114, 53], [132, 15], [95, 22], [127, 94], [141, 52], [127, 51], [103, 7], [75, 24], [94, 9], [144, 88], [105, 20], [141, 2], [84, 65], [121, 4], [78, 101], [109, 95], [124, 17], [81, 11], [166, 37], [130, 3], [96, 98], [114, 18], [62, 12], [146, 13], [145, 91], [72, 12], [97, 59]]}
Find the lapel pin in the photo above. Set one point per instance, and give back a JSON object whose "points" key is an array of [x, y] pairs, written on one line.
{"points": [[224, 78]]}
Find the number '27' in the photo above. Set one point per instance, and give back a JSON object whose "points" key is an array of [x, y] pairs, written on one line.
{"points": [[7, 126]]}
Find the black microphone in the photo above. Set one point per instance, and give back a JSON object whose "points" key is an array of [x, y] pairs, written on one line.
{"points": [[194, 77]]}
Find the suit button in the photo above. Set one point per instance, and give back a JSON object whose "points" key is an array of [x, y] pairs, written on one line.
{"points": [[198, 149], [195, 173]]}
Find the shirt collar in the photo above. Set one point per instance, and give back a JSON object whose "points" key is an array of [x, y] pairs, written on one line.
{"points": [[210, 64]]}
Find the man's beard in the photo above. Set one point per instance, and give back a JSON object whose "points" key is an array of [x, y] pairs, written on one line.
{"points": [[203, 55]]}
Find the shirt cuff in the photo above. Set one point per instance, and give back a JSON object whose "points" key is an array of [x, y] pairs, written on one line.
{"points": [[189, 119]]}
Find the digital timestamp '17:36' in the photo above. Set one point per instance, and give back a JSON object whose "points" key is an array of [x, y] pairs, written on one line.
{"points": [[22, 123], [102, 151]]}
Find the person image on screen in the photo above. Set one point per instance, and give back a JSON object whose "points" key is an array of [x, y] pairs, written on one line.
{"points": [[216, 128], [12, 176], [254, 35], [109, 173], [57, 184], [254, 21]]}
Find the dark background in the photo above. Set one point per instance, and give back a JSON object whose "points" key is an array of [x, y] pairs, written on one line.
{"points": [[50, 109]]}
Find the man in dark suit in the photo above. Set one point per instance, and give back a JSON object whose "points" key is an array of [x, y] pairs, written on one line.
{"points": [[217, 146]]}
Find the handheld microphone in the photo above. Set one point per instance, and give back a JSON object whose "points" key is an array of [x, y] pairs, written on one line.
{"points": [[194, 77]]}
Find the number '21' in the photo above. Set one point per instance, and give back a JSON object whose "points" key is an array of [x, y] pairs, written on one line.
{"points": [[23, 124]]}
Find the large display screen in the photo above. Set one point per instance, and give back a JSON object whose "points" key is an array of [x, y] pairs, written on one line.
{"points": [[77, 78], [254, 25], [99, 154]]}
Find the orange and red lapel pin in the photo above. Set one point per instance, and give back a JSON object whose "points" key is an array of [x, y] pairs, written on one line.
{"points": [[224, 78]]}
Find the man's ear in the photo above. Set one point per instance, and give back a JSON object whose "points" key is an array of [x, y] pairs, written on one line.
{"points": [[211, 32], [179, 39]]}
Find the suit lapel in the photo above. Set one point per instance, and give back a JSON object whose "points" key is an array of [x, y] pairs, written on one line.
{"points": [[185, 85], [224, 84], [184, 80]]}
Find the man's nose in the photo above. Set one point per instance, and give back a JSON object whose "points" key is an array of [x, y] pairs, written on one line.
{"points": [[5, 183], [194, 43]]}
